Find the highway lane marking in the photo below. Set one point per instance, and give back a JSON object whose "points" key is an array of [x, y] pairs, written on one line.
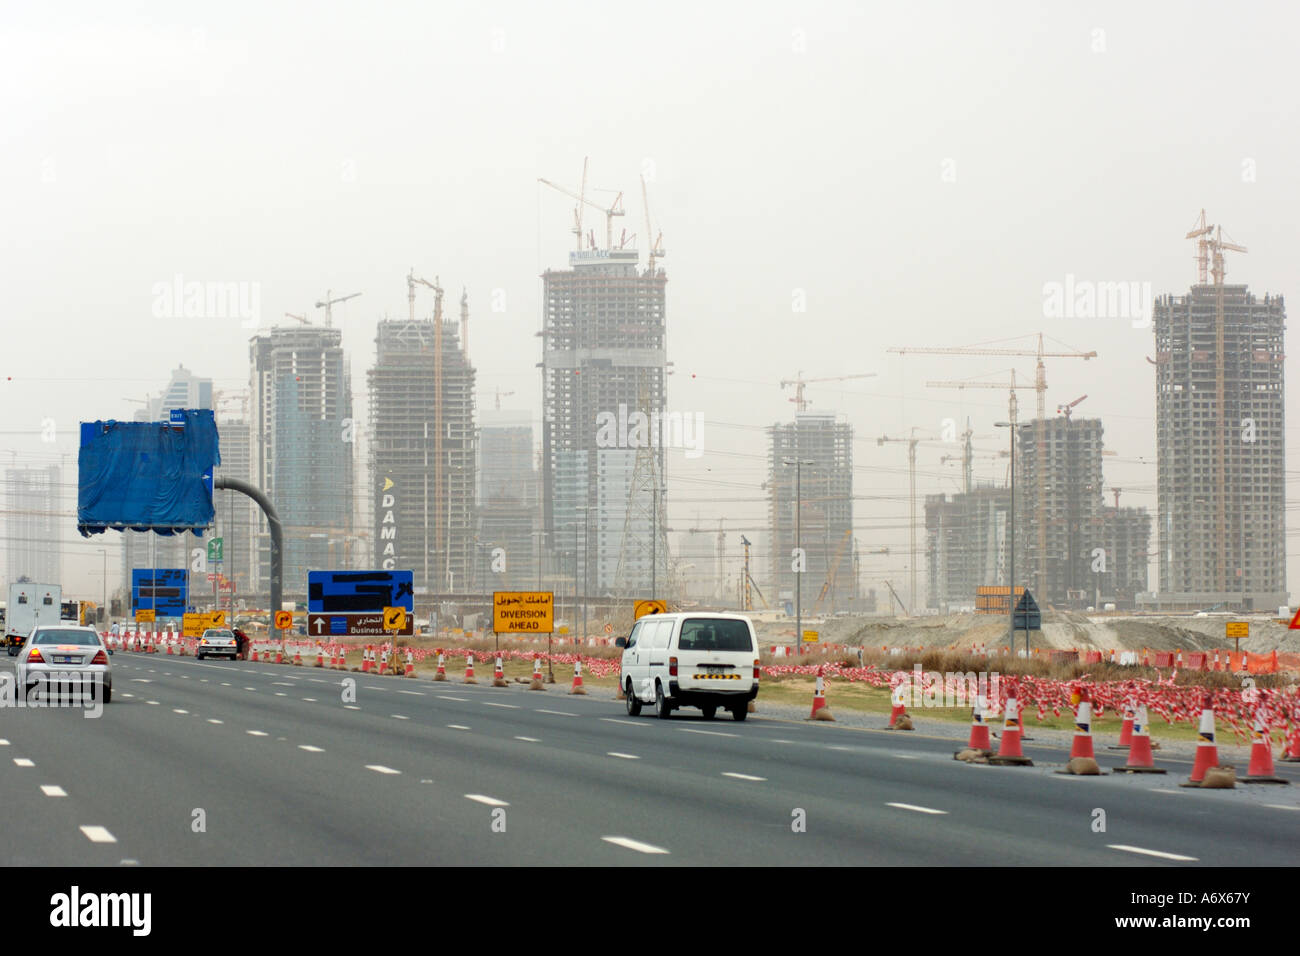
{"points": [[711, 733], [98, 835], [351, 706], [317, 680], [906, 756], [23, 762], [152, 703], [1146, 852], [557, 713], [310, 749], [741, 776], [282, 683], [531, 740], [1280, 806], [782, 741], [488, 703], [175, 710], [837, 747], [4, 743], [128, 695], [213, 720], [368, 687], [280, 693], [490, 801], [52, 790], [615, 753], [224, 684], [310, 700], [631, 844], [399, 717], [250, 688], [257, 733], [413, 693], [630, 723], [913, 807], [463, 700], [457, 727], [380, 768], [137, 680]]}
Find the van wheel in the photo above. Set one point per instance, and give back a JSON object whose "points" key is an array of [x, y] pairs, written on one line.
{"points": [[709, 712], [741, 712], [633, 704], [662, 710]]}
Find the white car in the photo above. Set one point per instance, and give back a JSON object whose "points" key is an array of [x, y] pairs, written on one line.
{"points": [[702, 660], [217, 642], [65, 655]]}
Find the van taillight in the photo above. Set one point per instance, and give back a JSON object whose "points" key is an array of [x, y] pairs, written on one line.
{"points": [[755, 668], [672, 667]]}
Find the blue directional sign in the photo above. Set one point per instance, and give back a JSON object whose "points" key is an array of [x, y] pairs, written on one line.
{"points": [[359, 592], [163, 590]]}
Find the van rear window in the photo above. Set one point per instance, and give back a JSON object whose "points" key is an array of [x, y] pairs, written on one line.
{"points": [[715, 635]]}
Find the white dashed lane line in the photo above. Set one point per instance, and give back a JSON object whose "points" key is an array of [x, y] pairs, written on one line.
{"points": [[531, 740], [457, 727], [1280, 806], [399, 717], [445, 697], [742, 776], [557, 713], [256, 733], [177, 710], [310, 749], [98, 834], [711, 733], [489, 703], [52, 790], [213, 720], [23, 762], [490, 801], [412, 693], [915, 809], [1145, 852], [615, 753], [630, 723], [629, 844], [379, 768]]}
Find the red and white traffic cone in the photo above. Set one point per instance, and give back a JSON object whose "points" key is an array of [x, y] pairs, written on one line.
{"points": [[442, 666], [279, 654], [171, 652], [1178, 662], [1207, 752], [320, 655], [297, 657], [409, 670], [1126, 728], [979, 730], [1261, 754], [577, 687], [536, 683], [1082, 746], [898, 707], [1218, 665], [498, 674], [1140, 759], [1291, 752], [469, 670], [820, 711], [383, 661], [254, 657], [1009, 753]]}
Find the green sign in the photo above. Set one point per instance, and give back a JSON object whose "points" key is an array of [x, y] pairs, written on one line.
{"points": [[215, 547]]}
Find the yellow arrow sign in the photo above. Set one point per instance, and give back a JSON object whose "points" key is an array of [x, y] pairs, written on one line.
{"points": [[394, 618]]}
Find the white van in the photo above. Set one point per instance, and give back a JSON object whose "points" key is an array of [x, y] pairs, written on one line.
{"points": [[689, 659]]}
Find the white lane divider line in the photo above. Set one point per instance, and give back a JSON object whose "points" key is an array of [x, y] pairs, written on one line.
{"points": [[224, 684], [742, 776], [351, 707], [411, 693], [380, 768], [98, 835], [398, 717], [630, 723], [915, 809], [490, 801], [1280, 806], [1145, 852], [52, 790], [907, 756], [152, 703], [139, 680], [4, 743], [711, 733], [257, 733], [531, 740], [254, 689], [615, 753], [488, 703], [24, 762], [309, 700], [557, 713], [280, 693], [630, 844], [310, 749], [128, 695], [368, 687], [213, 720], [463, 700], [280, 683], [177, 710], [457, 727]]}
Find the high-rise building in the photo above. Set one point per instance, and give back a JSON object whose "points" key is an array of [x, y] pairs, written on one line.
{"points": [[823, 486], [423, 485], [967, 545], [604, 378], [33, 504], [236, 517], [301, 450], [1221, 445], [508, 504]]}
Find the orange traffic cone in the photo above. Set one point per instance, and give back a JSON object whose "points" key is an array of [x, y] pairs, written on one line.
{"points": [[1082, 746], [1261, 754], [279, 655], [1126, 728], [898, 706], [320, 655], [383, 662], [442, 666], [409, 671], [469, 670], [1140, 759], [1009, 753], [819, 709], [979, 730], [536, 682], [1207, 752], [254, 657], [297, 657], [577, 687], [498, 675]]}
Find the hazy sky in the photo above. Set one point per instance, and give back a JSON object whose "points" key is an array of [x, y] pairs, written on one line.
{"points": [[907, 174]]}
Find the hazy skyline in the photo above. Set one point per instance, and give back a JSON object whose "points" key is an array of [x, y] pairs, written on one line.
{"points": [[831, 180]]}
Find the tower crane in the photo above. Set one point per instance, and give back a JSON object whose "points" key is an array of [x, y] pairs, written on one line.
{"points": [[911, 443], [301, 318], [799, 382], [329, 303], [655, 242], [1066, 409], [614, 209], [500, 395]]}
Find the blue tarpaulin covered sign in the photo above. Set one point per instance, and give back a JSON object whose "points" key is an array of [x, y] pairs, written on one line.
{"points": [[161, 590], [147, 476]]}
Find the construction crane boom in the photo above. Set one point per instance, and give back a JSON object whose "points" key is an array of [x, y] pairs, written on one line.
{"points": [[799, 382], [329, 303], [614, 209]]}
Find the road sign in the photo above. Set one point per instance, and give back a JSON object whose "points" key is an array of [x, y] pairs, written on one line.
{"points": [[1236, 628], [1027, 616], [284, 620], [360, 592], [609, 628], [215, 548], [994, 598], [642, 608], [163, 590], [394, 619], [355, 625], [193, 625], [810, 637], [144, 616], [518, 612], [1295, 622]]}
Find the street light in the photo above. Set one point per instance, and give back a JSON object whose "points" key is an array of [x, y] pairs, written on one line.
{"points": [[798, 538], [1011, 595]]}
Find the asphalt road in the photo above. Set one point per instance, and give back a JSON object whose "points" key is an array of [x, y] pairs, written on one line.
{"points": [[236, 763]]}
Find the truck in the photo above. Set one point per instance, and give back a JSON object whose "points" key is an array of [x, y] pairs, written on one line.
{"points": [[29, 605]]}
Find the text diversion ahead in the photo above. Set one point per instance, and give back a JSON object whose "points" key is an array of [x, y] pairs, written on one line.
{"points": [[522, 611]]}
